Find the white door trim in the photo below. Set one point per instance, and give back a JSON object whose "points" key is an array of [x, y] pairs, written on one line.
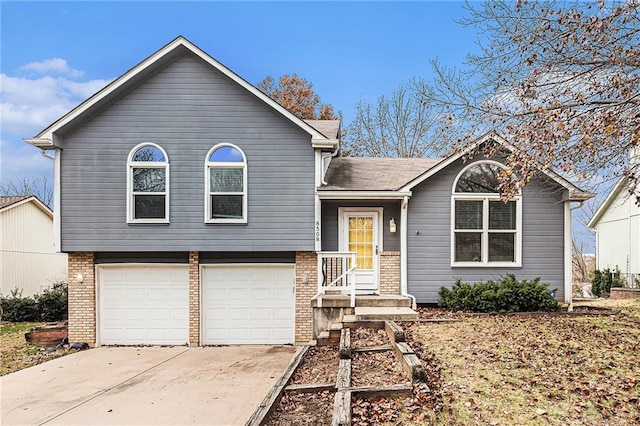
{"points": [[342, 212]]}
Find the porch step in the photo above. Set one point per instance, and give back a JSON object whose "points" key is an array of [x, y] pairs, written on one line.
{"points": [[329, 337], [330, 300], [366, 313]]}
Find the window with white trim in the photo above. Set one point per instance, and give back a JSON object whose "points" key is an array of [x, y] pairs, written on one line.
{"points": [[485, 231], [148, 184], [226, 185]]}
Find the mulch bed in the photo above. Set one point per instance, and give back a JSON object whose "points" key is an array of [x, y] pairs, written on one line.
{"points": [[304, 409], [320, 365], [393, 411], [376, 369], [368, 337]]}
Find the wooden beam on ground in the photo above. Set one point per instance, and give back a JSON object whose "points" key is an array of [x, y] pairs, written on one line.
{"points": [[344, 374], [342, 409], [373, 349], [401, 349], [413, 367], [306, 388], [345, 343], [268, 404], [398, 390], [394, 331]]}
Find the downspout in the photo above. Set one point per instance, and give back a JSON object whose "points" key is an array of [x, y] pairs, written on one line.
{"points": [[568, 253], [56, 196], [324, 157], [403, 251]]}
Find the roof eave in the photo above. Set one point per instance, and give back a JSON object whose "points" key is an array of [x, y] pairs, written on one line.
{"points": [[605, 204], [325, 143], [42, 143], [362, 195]]}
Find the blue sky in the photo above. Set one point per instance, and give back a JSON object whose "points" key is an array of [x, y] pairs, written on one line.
{"points": [[56, 54]]}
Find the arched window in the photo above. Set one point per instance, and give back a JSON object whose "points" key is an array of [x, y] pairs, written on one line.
{"points": [[226, 185], [485, 231], [148, 184]]}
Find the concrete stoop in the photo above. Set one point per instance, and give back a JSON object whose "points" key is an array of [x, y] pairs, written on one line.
{"points": [[336, 313]]}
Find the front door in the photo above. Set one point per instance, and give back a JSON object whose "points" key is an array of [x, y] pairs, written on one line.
{"points": [[360, 234]]}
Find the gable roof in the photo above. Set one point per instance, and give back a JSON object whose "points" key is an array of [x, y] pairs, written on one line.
{"points": [[329, 128], [11, 201], [575, 193], [132, 77], [373, 174], [615, 191]]}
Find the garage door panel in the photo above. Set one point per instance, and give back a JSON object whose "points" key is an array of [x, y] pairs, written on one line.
{"points": [[237, 294], [144, 305], [261, 313], [254, 304]]}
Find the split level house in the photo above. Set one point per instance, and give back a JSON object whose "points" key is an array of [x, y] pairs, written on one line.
{"points": [[197, 210]]}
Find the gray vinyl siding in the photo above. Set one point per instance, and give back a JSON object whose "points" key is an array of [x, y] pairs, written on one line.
{"points": [[429, 238], [187, 108], [330, 237]]}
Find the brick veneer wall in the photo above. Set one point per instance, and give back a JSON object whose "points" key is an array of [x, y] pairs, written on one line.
{"points": [[82, 298], [390, 272], [194, 298], [306, 266]]}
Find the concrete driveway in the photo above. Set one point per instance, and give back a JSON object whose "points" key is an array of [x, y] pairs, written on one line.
{"points": [[145, 386]]}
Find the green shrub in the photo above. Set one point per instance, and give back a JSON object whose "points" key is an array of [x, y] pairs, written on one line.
{"points": [[506, 295], [604, 280], [596, 283], [53, 303], [16, 308]]}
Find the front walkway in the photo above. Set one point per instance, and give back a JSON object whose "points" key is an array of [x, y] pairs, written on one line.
{"points": [[145, 386]]}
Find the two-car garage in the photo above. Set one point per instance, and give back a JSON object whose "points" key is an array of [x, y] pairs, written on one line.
{"points": [[148, 304]]}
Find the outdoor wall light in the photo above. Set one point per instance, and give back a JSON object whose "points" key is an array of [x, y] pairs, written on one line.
{"points": [[79, 278], [392, 225]]}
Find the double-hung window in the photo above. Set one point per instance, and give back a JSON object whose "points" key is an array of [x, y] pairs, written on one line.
{"points": [[226, 185], [148, 184], [486, 231]]}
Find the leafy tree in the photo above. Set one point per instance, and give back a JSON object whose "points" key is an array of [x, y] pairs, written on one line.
{"points": [[296, 94], [561, 80], [398, 125], [39, 186]]}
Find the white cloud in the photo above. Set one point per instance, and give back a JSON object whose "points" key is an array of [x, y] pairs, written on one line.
{"points": [[17, 159], [30, 104], [53, 65], [30, 101]]}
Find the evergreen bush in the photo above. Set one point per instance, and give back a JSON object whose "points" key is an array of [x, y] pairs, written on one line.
{"points": [[506, 295]]}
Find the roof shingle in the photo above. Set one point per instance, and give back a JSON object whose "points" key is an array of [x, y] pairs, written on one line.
{"points": [[6, 201], [374, 174]]}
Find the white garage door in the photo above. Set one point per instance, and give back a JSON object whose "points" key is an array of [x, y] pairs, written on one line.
{"points": [[143, 304], [248, 304]]}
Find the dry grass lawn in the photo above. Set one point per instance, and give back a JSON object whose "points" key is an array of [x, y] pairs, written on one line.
{"points": [[536, 370], [16, 353]]}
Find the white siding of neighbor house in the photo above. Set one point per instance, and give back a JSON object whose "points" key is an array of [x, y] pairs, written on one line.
{"points": [[27, 256], [618, 236]]}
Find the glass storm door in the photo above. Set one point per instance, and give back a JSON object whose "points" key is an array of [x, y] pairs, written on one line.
{"points": [[360, 235]]}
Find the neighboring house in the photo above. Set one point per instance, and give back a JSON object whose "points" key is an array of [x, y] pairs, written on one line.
{"points": [[28, 259], [195, 209], [617, 226]]}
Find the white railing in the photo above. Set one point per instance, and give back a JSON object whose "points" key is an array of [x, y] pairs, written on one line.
{"points": [[336, 271]]}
